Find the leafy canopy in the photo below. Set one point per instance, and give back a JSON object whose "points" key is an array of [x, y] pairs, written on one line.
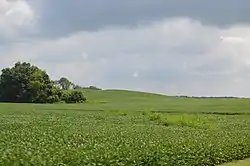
{"points": [[27, 83], [63, 83]]}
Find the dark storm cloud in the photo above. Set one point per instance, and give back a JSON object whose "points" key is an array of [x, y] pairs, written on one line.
{"points": [[59, 17]]}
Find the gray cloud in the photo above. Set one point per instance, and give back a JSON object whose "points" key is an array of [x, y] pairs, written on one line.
{"points": [[16, 18], [175, 56], [102, 45], [60, 17]]}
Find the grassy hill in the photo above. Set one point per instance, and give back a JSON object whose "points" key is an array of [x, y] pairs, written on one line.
{"points": [[132, 100], [118, 127]]}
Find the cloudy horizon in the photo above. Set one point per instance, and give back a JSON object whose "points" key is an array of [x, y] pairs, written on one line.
{"points": [[173, 47]]}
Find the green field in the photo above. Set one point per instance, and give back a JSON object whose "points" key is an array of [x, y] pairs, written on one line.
{"points": [[238, 163], [126, 128]]}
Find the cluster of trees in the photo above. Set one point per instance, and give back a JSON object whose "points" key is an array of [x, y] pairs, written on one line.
{"points": [[29, 84], [66, 84]]}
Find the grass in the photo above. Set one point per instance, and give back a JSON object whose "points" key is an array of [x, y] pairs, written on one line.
{"points": [[129, 100], [238, 163], [189, 120], [126, 128]]}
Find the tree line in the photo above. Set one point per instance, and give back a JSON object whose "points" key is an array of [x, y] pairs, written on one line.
{"points": [[66, 84], [27, 83]]}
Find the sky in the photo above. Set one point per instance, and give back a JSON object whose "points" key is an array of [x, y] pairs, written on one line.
{"points": [[173, 47]]}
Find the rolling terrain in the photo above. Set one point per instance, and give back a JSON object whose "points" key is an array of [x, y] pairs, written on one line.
{"points": [[117, 127]]}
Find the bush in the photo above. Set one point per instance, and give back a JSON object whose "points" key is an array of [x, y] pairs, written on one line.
{"points": [[53, 99], [73, 96]]}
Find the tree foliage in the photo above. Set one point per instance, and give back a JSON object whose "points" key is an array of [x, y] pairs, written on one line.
{"points": [[77, 87], [94, 88], [89, 87], [27, 83], [73, 96], [63, 83]]}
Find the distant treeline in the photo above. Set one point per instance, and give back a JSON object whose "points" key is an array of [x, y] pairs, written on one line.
{"points": [[211, 97]]}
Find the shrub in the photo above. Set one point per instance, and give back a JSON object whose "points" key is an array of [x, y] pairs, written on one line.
{"points": [[73, 97], [178, 120], [53, 99]]}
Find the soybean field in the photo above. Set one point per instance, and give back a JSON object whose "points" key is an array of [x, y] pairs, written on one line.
{"points": [[116, 127]]}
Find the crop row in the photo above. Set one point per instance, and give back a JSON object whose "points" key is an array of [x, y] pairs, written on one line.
{"points": [[110, 139]]}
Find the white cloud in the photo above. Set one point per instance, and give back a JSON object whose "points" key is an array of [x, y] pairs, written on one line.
{"points": [[14, 17], [175, 56], [135, 74], [84, 56], [232, 39]]}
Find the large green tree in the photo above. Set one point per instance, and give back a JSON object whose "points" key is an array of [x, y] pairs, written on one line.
{"points": [[63, 83], [27, 83]]}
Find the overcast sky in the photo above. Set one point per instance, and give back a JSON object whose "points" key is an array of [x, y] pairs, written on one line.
{"points": [[191, 47]]}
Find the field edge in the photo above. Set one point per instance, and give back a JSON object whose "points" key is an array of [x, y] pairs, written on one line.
{"points": [[245, 162]]}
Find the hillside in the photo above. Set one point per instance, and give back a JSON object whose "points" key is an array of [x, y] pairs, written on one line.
{"points": [[132, 100]]}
